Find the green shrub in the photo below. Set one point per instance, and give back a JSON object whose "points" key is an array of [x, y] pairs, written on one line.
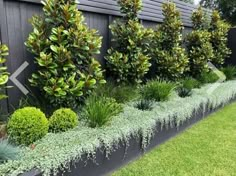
{"points": [[199, 48], [157, 90], [219, 32], [27, 125], [3, 73], [121, 93], [230, 72], [62, 120], [190, 83], [166, 48], [99, 110], [127, 60], [144, 105], [208, 77], [64, 49], [7, 151]]}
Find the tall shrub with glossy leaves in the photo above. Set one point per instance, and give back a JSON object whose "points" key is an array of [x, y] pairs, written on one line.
{"points": [[219, 31], [127, 60], [167, 51], [64, 50], [3, 70], [199, 48]]}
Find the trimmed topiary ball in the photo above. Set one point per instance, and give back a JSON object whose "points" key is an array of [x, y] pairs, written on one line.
{"points": [[62, 120], [27, 125]]}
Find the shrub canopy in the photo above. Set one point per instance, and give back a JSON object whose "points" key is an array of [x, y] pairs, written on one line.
{"points": [[127, 60], [64, 50], [199, 47], [219, 32], [3, 70], [167, 51]]}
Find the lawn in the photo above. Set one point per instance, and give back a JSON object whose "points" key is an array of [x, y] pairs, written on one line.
{"points": [[206, 149]]}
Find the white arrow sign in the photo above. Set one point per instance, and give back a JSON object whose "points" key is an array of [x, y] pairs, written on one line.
{"points": [[221, 79], [16, 82]]}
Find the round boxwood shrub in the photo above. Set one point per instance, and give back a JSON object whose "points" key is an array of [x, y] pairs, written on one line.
{"points": [[27, 125], [62, 120]]}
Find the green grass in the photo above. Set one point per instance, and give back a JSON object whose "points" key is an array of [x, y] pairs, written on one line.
{"points": [[206, 149]]}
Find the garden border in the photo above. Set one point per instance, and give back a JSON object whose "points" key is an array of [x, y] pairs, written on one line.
{"points": [[124, 154]]}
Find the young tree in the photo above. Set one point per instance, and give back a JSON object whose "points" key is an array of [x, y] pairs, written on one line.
{"points": [[225, 7], [3, 70], [167, 51], [219, 32], [198, 44], [64, 50], [127, 60]]}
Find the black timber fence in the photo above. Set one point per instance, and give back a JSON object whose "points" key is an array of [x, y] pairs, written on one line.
{"points": [[99, 14]]}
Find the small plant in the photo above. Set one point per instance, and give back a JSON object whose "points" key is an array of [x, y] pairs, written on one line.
{"points": [[7, 151], [157, 90], [184, 92], [219, 32], [198, 44], [230, 72], [99, 110], [166, 47], [190, 83], [128, 60], [208, 77], [144, 105], [62, 120], [64, 49], [27, 125], [122, 93], [3, 73], [186, 86]]}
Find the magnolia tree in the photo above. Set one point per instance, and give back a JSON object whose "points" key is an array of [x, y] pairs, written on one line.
{"points": [[127, 60], [198, 44], [64, 50], [167, 51], [219, 31], [3, 70]]}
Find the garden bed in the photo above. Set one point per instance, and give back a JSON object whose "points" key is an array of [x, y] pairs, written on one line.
{"points": [[125, 154], [102, 150]]}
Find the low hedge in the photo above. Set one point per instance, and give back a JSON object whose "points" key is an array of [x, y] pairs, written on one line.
{"points": [[52, 152]]}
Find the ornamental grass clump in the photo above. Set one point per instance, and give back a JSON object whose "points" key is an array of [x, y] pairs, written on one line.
{"points": [[184, 92], [157, 90], [207, 77], [3, 70], [7, 151], [229, 71], [127, 60], [190, 83], [219, 32], [198, 44], [122, 93], [27, 125], [186, 86], [167, 51], [62, 120], [64, 49], [144, 105], [98, 111]]}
